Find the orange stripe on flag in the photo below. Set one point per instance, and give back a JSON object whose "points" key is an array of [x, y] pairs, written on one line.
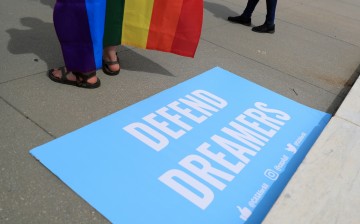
{"points": [[164, 20], [189, 28]]}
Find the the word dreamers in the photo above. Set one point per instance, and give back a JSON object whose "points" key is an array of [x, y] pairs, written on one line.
{"points": [[239, 142]]}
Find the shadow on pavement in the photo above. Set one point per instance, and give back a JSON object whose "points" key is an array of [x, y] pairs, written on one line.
{"points": [[219, 11], [343, 93], [39, 38], [351, 81], [129, 60]]}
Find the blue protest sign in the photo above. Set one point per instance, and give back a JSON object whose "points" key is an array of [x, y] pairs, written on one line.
{"points": [[214, 149]]}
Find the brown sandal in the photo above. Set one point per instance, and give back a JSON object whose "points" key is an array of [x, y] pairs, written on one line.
{"points": [[81, 78], [106, 69]]}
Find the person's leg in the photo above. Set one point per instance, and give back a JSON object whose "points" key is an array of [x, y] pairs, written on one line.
{"points": [[250, 7], [271, 8], [245, 17], [269, 24], [112, 35], [72, 27]]}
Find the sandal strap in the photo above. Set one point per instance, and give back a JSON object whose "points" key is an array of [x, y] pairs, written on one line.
{"points": [[63, 73], [112, 62], [84, 76]]}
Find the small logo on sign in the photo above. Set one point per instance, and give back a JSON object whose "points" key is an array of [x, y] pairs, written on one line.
{"points": [[291, 148], [245, 213], [271, 174]]}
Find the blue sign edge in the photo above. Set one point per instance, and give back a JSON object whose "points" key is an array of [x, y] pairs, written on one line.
{"points": [[261, 211]]}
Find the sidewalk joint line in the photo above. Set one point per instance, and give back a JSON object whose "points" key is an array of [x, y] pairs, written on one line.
{"points": [[322, 34], [22, 77], [27, 117], [344, 119]]}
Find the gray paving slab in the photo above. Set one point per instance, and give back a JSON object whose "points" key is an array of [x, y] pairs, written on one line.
{"points": [[321, 60], [60, 108], [210, 55], [349, 9], [322, 21], [352, 2], [29, 193]]}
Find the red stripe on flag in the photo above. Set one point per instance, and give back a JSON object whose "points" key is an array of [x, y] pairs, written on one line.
{"points": [[164, 20], [189, 28]]}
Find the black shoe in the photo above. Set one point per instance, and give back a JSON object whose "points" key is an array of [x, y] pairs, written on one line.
{"points": [[240, 19], [265, 28]]}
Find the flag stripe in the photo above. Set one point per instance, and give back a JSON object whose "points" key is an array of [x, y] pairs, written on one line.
{"points": [[189, 29], [96, 20], [162, 31], [73, 30], [84, 27], [137, 18], [113, 22]]}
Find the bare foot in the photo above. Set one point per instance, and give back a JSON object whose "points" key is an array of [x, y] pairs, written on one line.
{"points": [[109, 54]]}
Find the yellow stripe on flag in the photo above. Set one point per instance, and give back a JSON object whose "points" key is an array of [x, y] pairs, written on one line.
{"points": [[137, 18]]}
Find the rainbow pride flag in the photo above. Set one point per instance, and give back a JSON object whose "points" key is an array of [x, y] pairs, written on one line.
{"points": [[85, 27]]}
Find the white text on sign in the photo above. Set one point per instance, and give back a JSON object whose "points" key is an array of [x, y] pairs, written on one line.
{"points": [[240, 140]]}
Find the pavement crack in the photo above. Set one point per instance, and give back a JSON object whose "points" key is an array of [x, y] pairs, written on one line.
{"points": [[27, 117], [295, 92]]}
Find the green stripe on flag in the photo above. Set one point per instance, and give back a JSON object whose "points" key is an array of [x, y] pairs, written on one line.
{"points": [[113, 22]]}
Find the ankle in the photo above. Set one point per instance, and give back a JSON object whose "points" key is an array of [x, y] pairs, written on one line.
{"points": [[245, 16], [269, 24], [110, 53]]}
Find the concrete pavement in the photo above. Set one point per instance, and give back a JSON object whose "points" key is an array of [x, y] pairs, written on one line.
{"points": [[325, 188], [313, 58]]}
